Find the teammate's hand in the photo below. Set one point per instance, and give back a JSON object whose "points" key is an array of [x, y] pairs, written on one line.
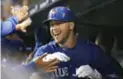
{"points": [[22, 26], [20, 13], [29, 58], [58, 55], [46, 66], [87, 71]]}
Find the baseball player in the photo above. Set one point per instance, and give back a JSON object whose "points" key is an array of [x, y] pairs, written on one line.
{"points": [[69, 56]]}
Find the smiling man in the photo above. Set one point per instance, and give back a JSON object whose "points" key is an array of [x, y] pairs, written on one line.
{"points": [[86, 59]]}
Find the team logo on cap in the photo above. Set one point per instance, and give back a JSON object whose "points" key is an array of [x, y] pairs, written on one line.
{"points": [[63, 15], [53, 12]]}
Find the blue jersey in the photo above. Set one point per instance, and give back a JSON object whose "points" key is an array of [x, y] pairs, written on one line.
{"points": [[7, 27], [84, 53]]}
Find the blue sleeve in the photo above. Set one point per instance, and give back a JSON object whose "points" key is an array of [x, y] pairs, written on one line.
{"points": [[8, 27], [40, 51], [48, 48]]}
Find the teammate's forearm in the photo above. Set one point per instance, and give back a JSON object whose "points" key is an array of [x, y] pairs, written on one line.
{"points": [[8, 27]]}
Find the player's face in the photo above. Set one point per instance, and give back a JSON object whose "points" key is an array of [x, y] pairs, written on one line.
{"points": [[60, 31]]}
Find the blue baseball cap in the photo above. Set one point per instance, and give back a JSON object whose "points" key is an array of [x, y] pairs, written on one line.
{"points": [[60, 13]]}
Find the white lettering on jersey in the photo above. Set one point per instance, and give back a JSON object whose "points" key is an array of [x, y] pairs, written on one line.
{"points": [[61, 72]]}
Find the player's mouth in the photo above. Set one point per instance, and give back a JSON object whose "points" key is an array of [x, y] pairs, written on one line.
{"points": [[56, 34]]}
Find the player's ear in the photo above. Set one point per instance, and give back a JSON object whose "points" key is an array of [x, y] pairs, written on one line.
{"points": [[72, 25]]}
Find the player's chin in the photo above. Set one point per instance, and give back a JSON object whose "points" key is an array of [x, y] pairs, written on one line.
{"points": [[57, 40]]}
